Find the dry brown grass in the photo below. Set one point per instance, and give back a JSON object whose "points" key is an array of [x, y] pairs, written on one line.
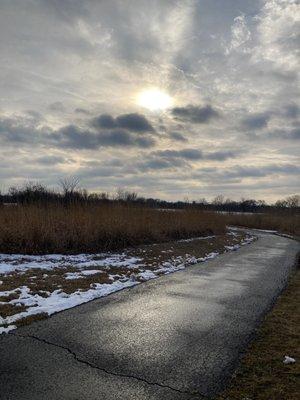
{"points": [[282, 222], [263, 375], [57, 229]]}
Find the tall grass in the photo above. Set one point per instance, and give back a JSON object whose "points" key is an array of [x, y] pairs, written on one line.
{"points": [[285, 222], [36, 229]]}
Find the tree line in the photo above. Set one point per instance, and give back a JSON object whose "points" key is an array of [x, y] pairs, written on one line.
{"points": [[71, 193]]}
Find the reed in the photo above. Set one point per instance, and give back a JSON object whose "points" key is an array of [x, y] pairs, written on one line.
{"points": [[34, 229], [285, 222]]}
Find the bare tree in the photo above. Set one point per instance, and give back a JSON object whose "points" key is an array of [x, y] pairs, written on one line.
{"points": [[124, 195], [218, 200], [69, 184], [293, 201]]}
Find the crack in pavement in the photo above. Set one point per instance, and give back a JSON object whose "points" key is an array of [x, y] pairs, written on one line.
{"points": [[92, 365]]}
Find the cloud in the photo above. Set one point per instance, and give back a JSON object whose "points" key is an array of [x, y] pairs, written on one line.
{"points": [[19, 130], [70, 136], [166, 159], [187, 154], [240, 172], [295, 134], [221, 155], [278, 34], [195, 154], [105, 121], [195, 114], [73, 137], [80, 110], [256, 121], [240, 33], [178, 137], [57, 107], [291, 111], [133, 122], [292, 134], [50, 160], [160, 163]]}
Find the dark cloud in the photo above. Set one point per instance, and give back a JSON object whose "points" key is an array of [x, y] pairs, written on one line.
{"points": [[292, 111], [19, 130], [104, 121], [292, 134], [195, 154], [256, 121], [73, 137], [295, 134], [195, 114], [167, 159], [133, 122], [157, 163], [187, 154], [238, 172], [178, 136], [221, 155], [70, 136]]}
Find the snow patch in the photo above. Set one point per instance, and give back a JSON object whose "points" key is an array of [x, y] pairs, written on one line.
{"points": [[289, 360], [197, 238], [7, 329], [20, 263]]}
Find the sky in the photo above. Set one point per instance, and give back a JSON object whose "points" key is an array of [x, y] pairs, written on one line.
{"points": [[171, 99]]}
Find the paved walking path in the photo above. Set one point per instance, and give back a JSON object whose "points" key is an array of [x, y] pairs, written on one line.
{"points": [[176, 337]]}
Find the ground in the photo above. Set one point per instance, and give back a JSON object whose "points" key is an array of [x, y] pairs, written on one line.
{"points": [[33, 287], [177, 337], [263, 374]]}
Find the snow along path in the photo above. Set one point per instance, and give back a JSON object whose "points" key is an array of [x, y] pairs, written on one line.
{"points": [[51, 302], [177, 337]]}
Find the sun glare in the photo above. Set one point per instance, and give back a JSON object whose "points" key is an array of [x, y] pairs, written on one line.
{"points": [[154, 100]]}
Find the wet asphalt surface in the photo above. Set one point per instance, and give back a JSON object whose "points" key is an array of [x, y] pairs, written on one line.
{"points": [[177, 337]]}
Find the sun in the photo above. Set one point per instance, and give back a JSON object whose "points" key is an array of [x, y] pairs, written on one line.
{"points": [[154, 100]]}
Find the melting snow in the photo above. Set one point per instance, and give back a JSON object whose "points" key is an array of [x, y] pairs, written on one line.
{"points": [[58, 300], [17, 262], [289, 360]]}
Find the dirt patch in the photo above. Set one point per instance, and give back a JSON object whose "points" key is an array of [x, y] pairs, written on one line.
{"points": [[157, 254], [10, 309], [32, 318]]}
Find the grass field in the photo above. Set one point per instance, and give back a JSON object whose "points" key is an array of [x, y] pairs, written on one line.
{"points": [[76, 229], [283, 222], [34, 229]]}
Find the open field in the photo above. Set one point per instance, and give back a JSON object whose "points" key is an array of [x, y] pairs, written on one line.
{"points": [[88, 228], [75, 229]]}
